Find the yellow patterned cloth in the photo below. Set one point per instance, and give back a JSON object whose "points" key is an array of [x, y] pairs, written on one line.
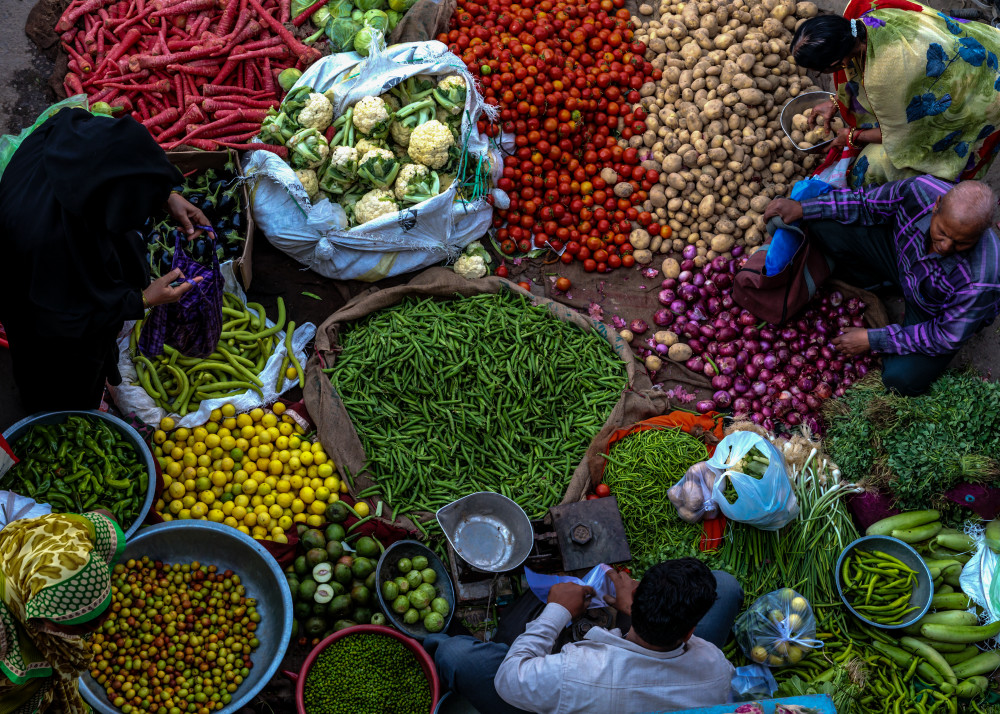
{"points": [[54, 570]]}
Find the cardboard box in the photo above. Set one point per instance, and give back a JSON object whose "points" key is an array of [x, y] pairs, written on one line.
{"points": [[188, 161]]}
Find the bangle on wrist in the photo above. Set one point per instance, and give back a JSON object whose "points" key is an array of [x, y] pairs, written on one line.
{"points": [[851, 136], [145, 302]]}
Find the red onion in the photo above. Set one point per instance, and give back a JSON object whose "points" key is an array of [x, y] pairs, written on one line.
{"points": [[722, 399], [835, 298], [684, 277], [765, 375], [741, 405], [666, 296], [695, 364], [741, 385], [727, 301], [742, 357], [677, 307], [793, 418], [726, 364], [758, 388], [662, 349], [823, 390], [737, 251], [806, 384], [751, 371], [727, 349], [721, 381], [705, 405], [689, 253], [663, 317], [638, 326], [696, 343], [746, 318], [669, 283], [687, 264]]}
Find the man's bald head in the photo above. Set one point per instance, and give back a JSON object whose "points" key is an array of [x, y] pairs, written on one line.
{"points": [[961, 217]]}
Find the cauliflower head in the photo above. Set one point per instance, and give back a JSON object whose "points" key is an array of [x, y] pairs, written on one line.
{"points": [[450, 94], [391, 102], [400, 133], [373, 204], [378, 167], [470, 266], [371, 117], [429, 144], [317, 113], [364, 146], [309, 182], [341, 170], [410, 173]]}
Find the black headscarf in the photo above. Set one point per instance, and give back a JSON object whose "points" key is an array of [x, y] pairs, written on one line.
{"points": [[71, 200]]}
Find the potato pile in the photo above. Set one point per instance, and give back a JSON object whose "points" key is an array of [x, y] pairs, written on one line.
{"points": [[806, 137], [713, 126]]}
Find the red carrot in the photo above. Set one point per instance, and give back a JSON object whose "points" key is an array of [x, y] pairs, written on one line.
{"points": [[232, 7], [168, 115], [72, 84], [143, 108], [157, 61], [215, 90], [82, 60], [284, 11], [224, 72], [279, 52], [308, 55], [268, 76], [308, 12], [72, 14], [124, 103], [104, 81], [192, 115], [246, 132], [179, 90], [206, 70], [281, 151], [214, 105], [159, 86], [249, 31], [185, 7], [203, 144]]}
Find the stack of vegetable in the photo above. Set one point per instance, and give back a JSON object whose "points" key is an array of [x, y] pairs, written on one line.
{"points": [[452, 397], [80, 465], [220, 199], [350, 27], [179, 384], [383, 153], [712, 129], [333, 589], [195, 72], [413, 596]]}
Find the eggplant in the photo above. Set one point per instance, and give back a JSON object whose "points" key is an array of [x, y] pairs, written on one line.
{"points": [[201, 248]]}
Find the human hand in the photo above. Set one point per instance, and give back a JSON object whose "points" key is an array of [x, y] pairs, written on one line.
{"points": [[159, 291], [186, 214], [840, 140], [573, 597], [853, 341], [826, 110], [625, 588], [789, 210]]}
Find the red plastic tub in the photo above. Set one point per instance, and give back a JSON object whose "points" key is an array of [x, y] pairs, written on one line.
{"points": [[426, 663]]}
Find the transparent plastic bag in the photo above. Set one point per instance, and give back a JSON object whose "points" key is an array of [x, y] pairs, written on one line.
{"points": [[778, 630], [692, 495], [756, 470]]}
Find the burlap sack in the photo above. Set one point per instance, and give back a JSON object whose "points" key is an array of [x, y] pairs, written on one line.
{"points": [[333, 423], [424, 21]]}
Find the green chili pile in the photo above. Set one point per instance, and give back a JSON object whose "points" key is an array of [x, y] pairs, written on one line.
{"points": [[485, 393], [79, 465], [640, 470], [366, 674], [879, 586]]}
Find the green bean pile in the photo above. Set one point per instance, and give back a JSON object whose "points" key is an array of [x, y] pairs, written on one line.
{"points": [[486, 393], [78, 466], [366, 673], [641, 469]]}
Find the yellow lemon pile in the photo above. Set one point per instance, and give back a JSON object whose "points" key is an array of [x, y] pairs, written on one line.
{"points": [[251, 471]]}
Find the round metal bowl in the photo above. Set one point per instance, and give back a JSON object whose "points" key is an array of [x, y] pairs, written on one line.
{"points": [[426, 663], [19, 429], [228, 549], [922, 593], [797, 105], [488, 531], [383, 572]]}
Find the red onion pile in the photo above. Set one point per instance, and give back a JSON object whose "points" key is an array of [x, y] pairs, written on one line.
{"points": [[770, 374]]}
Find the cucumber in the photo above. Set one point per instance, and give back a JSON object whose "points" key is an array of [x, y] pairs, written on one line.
{"points": [[959, 633], [983, 663], [918, 533], [941, 563], [945, 648], [972, 688], [945, 617], [952, 576], [956, 658], [951, 601], [960, 542], [902, 521], [944, 590], [992, 535], [933, 657]]}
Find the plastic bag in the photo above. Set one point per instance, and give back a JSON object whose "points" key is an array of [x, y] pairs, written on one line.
{"points": [[692, 495], [14, 507], [193, 324], [785, 243], [316, 234], [596, 577], [130, 397], [764, 496], [778, 630], [980, 578], [9, 142]]}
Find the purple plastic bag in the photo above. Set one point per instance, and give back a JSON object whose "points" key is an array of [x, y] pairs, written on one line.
{"points": [[193, 324]]}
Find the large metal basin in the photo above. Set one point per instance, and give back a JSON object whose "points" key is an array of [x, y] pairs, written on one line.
{"points": [[217, 544], [19, 429]]}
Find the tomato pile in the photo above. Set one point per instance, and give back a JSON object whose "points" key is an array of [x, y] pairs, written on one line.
{"points": [[565, 76]]}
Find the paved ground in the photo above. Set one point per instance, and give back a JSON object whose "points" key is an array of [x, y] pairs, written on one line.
{"points": [[25, 94]]}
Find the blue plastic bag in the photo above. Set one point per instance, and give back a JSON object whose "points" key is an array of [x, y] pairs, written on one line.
{"points": [[767, 503], [784, 244]]}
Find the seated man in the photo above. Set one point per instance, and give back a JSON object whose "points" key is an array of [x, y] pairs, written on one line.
{"points": [[928, 237], [661, 664]]}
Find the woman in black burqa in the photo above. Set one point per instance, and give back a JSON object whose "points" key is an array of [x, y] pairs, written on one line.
{"points": [[74, 270]]}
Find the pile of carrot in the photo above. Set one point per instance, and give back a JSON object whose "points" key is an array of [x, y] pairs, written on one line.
{"points": [[201, 73]]}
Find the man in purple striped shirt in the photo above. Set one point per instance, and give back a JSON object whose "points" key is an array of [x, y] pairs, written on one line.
{"points": [[930, 238]]}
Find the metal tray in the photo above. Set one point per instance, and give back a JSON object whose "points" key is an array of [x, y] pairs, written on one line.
{"points": [[220, 545], [488, 531], [797, 105], [383, 572], [19, 429]]}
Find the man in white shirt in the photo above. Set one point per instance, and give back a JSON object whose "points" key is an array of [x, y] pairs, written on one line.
{"points": [[660, 664]]}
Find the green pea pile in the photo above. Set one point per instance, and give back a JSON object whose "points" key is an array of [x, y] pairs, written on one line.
{"points": [[367, 674], [178, 640]]}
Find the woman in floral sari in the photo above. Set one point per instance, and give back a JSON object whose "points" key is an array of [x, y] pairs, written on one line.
{"points": [[55, 582], [918, 90]]}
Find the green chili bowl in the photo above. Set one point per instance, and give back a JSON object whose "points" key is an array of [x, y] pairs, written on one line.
{"points": [[922, 593], [21, 428]]}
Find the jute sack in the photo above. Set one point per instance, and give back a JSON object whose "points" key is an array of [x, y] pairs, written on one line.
{"points": [[333, 423]]}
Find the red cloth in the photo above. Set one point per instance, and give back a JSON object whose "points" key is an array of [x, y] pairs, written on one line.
{"points": [[712, 528]]}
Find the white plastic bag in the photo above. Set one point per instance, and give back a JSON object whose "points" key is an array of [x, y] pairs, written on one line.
{"points": [[692, 495], [980, 578], [411, 239], [767, 502], [131, 397], [14, 507]]}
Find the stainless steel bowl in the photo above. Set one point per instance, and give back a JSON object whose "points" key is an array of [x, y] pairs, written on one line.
{"points": [[228, 549], [19, 429], [922, 593], [384, 572], [488, 531], [797, 105]]}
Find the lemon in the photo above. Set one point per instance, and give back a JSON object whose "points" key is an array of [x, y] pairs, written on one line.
{"points": [[299, 518], [319, 457], [185, 457], [362, 508], [250, 487], [237, 453], [206, 497], [317, 507], [257, 414], [263, 464], [276, 468], [280, 538], [298, 506], [227, 507], [284, 456], [231, 522], [243, 529], [316, 483], [323, 494], [278, 408], [216, 516], [273, 433], [211, 427], [239, 513], [263, 489], [264, 519], [256, 501], [166, 424], [184, 515], [199, 448], [314, 521], [241, 500], [176, 507], [269, 420], [324, 470], [285, 522], [334, 498], [286, 429], [199, 510], [228, 410], [199, 433], [268, 500], [205, 460], [265, 437], [293, 463], [228, 464], [189, 500], [168, 446], [259, 532], [332, 483], [219, 478], [275, 511], [167, 517], [244, 420], [253, 453], [343, 486], [306, 458], [290, 373], [159, 436], [212, 441], [250, 520], [307, 494], [247, 432]]}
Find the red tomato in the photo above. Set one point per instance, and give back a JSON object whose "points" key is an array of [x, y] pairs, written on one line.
{"points": [[602, 490], [563, 284], [590, 265], [592, 497], [628, 261], [525, 285], [502, 271], [508, 247]]}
